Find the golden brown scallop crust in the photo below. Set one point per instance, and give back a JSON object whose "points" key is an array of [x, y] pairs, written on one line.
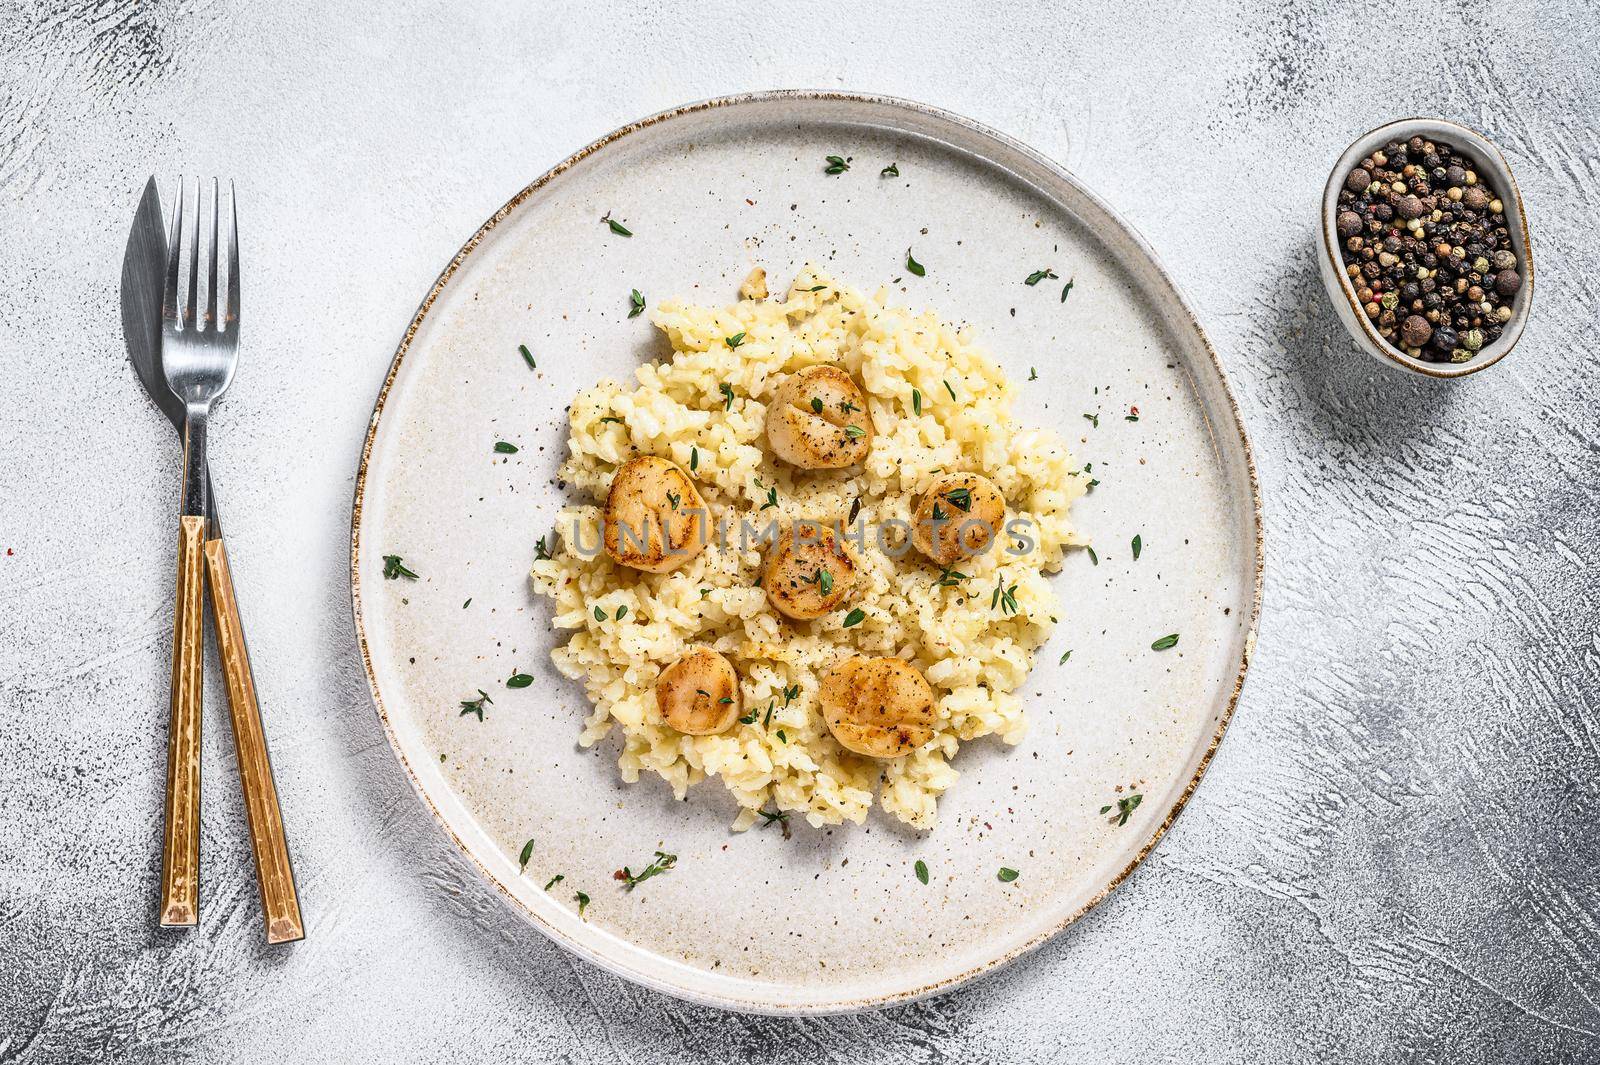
{"points": [[957, 517], [818, 420], [655, 519], [699, 694], [878, 707], [809, 571]]}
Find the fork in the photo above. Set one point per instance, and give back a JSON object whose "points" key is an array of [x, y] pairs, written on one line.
{"points": [[198, 350], [280, 903]]}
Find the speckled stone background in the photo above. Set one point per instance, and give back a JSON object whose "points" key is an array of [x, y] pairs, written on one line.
{"points": [[1394, 857]]}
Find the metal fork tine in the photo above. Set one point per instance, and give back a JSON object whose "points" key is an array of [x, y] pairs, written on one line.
{"points": [[193, 296], [169, 290], [213, 321], [233, 258]]}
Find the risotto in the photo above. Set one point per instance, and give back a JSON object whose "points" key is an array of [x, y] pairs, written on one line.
{"points": [[936, 405]]}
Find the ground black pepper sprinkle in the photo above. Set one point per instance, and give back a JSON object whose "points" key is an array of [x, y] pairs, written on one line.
{"points": [[1425, 244]]}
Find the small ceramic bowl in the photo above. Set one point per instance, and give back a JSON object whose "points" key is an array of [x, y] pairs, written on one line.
{"points": [[1492, 165]]}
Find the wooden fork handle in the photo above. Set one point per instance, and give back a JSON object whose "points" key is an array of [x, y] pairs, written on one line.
{"points": [[180, 843], [274, 876]]}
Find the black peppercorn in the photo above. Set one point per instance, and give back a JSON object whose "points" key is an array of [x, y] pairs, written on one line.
{"points": [[1348, 223], [1444, 339], [1358, 180], [1506, 282], [1455, 176]]}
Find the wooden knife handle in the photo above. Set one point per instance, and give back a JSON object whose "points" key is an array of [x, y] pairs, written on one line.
{"points": [[180, 843], [274, 875]]}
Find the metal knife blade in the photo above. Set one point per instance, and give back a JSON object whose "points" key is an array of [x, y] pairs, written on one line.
{"points": [[144, 265]]}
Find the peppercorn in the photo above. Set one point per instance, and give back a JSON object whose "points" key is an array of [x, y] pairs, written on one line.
{"points": [[1475, 198], [1358, 180], [1348, 223], [1507, 282], [1454, 176], [1410, 207], [1444, 339], [1504, 260], [1415, 331]]}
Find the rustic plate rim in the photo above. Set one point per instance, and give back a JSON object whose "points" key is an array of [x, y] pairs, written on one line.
{"points": [[877, 1001]]}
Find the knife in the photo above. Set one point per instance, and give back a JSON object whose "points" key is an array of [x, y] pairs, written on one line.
{"points": [[143, 268]]}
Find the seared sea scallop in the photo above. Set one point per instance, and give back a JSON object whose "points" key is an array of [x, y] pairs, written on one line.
{"points": [[879, 707], [699, 693], [809, 572], [655, 519], [818, 420], [957, 517]]}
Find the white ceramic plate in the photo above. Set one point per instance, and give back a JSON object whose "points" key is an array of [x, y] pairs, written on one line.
{"points": [[833, 920]]}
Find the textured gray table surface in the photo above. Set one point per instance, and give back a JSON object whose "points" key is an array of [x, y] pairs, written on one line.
{"points": [[1394, 855]]}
